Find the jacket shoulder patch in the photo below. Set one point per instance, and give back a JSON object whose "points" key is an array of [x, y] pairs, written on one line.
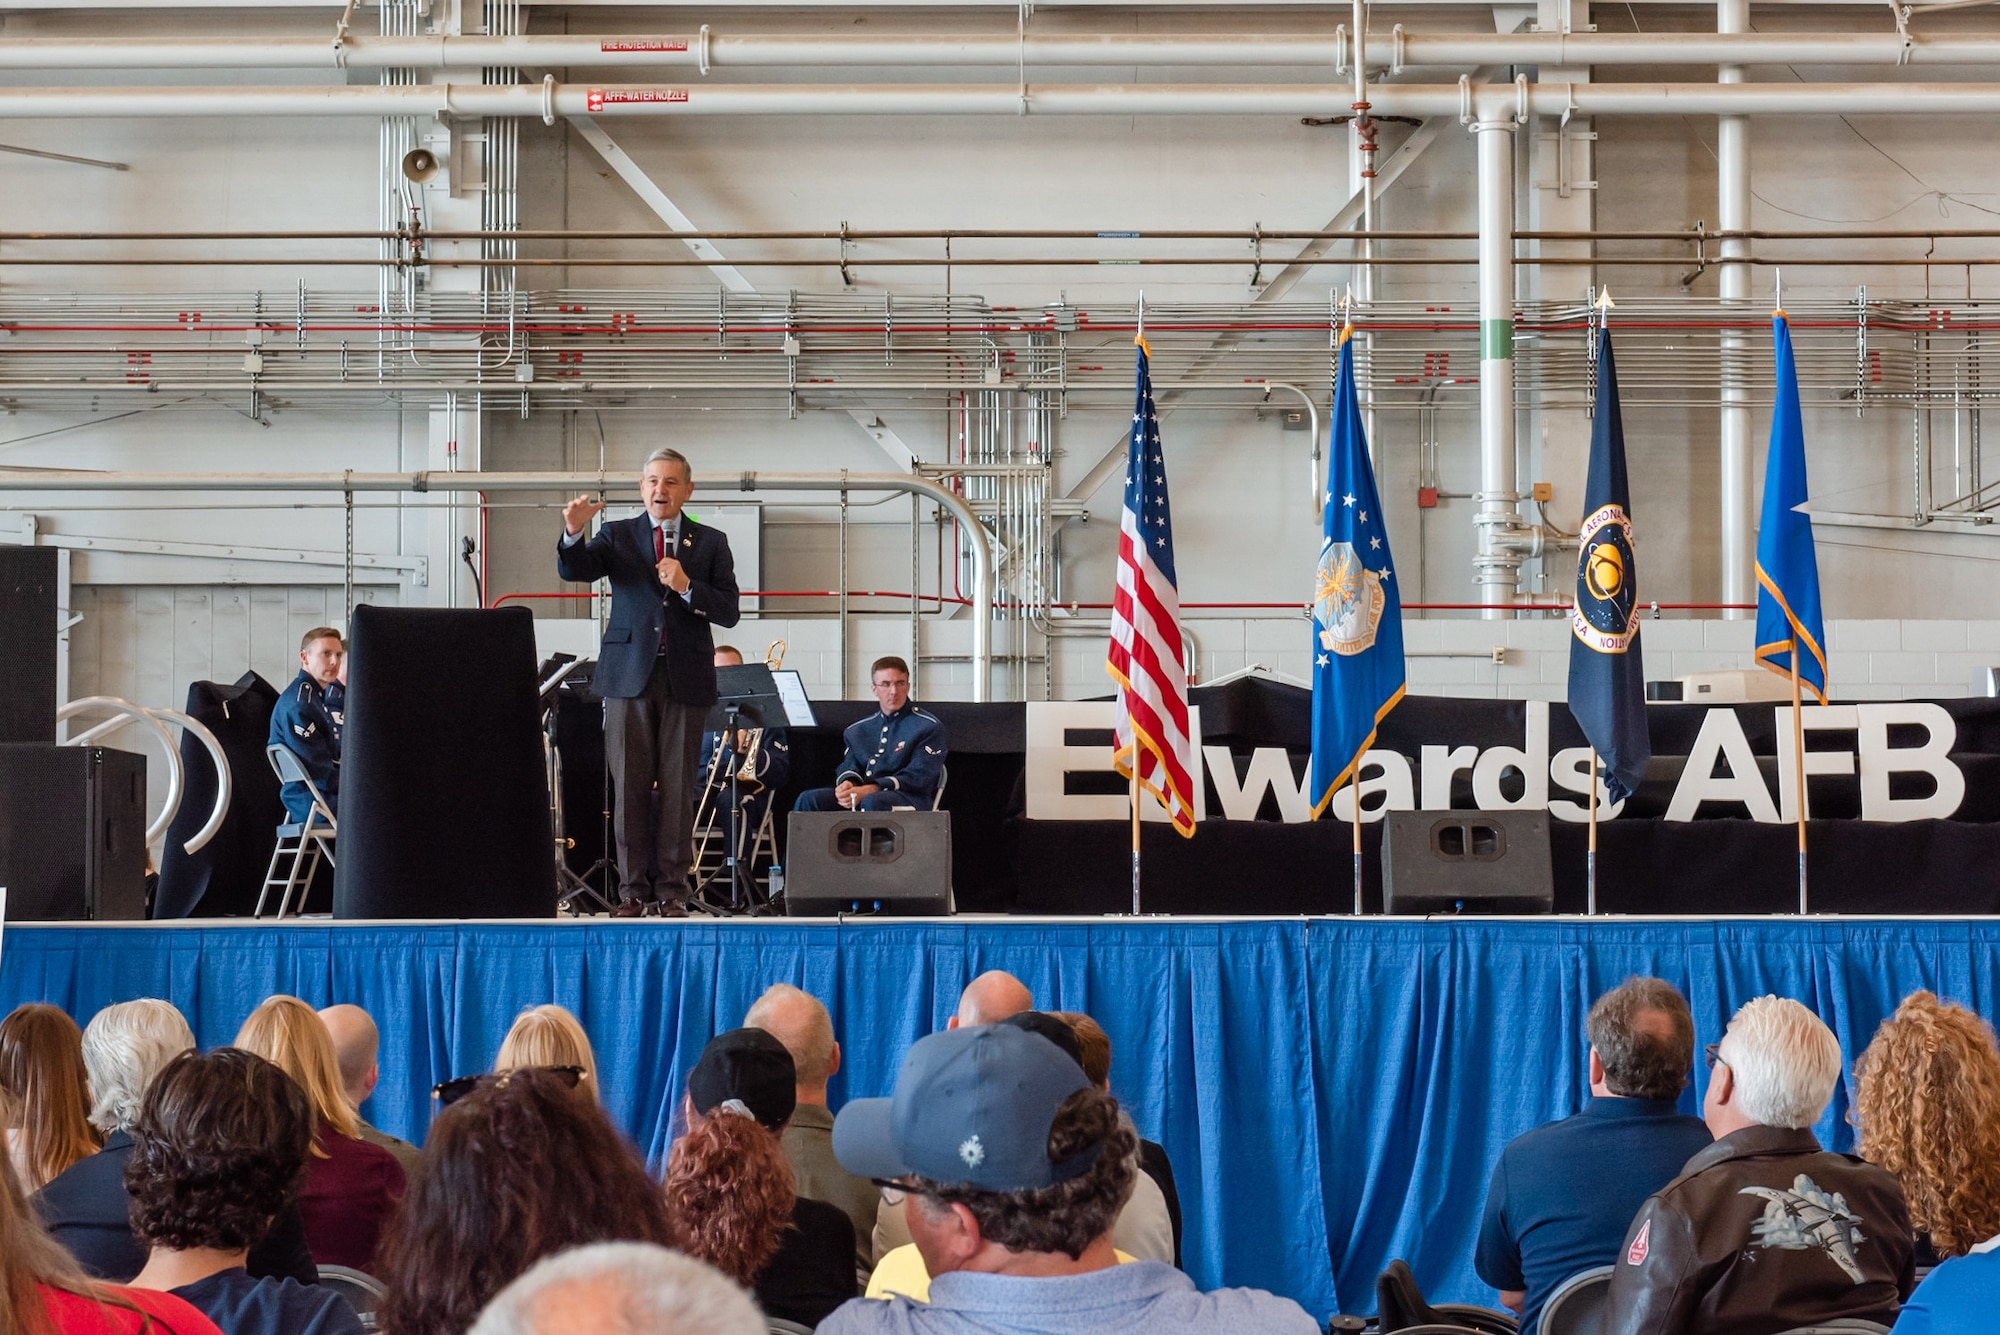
{"points": [[1641, 1245]]}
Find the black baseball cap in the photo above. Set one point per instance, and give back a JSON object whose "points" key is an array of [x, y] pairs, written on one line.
{"points": [[751, 1067]]}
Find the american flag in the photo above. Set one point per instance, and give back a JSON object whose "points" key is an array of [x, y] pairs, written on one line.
{"points": [[1145, 655]]}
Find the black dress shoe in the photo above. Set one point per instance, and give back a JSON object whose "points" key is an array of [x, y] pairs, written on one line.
{"points": [[671, 908], [631, 908]]}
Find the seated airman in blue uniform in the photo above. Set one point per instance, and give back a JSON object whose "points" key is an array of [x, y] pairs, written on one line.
{"points": [[309, 716], [895, 759]]}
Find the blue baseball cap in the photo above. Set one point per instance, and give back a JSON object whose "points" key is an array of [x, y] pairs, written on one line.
{"points": [[972, 1107]]}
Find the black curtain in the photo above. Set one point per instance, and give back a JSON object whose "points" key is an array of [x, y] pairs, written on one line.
{"points": [[223, 878]]}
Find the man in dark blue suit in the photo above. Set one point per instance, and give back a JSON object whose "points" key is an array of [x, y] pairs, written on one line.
{"points": [[895, 757], [309, 716], [672, 579]]}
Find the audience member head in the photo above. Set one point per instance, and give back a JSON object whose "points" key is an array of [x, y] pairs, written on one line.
{"points": [[1776, 1066], [728, 655], [290, 1034], [517, 1170], [355, 1044], [1054, 1029], [621, 1288], [548, 1036], [797, 1019], [729, 1186], [991, 998], [220, 1146], [1094, 1046], [1005, 1148], [41, 1069], [1927, 1108], [1641, 1041], [124, 1047]]}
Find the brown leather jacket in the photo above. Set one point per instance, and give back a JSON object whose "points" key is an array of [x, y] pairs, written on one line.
{"points": [[1761, 1232]]}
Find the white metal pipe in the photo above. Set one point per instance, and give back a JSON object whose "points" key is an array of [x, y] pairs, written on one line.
{"points": [[1497, 566], [225, 789], [1420, 100], [137, 714], [464, 482], [808, 51], [1737, 482]]}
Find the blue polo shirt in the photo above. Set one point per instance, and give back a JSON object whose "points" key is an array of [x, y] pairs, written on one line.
{"points": [[1564, 1194], [1958, 1298]]}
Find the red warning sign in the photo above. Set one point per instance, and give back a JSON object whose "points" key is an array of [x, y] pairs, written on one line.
{"points": [[645, 44], [597, 99]]}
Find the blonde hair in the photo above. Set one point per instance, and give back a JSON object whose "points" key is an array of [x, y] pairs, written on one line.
{"points": [[1927, 1109], [1785, 1062], [288, 1033], [548, 1035]]}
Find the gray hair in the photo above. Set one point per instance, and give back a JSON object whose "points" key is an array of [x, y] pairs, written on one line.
{"points": [[124, 1047], [809, 1034], [1785, 1062], [1640, 1062], [667, 456], [621, 1288]]}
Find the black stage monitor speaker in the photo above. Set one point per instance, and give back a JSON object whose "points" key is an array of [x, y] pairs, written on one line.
{"points": [[72, 833], [885, 862], [28, 644], [444, 801], [1467, 861]]}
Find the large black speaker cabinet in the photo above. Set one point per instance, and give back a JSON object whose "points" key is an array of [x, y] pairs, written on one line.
{"points": [[1467, 861], [28, 644], [878, 862], [444, 799], [72, 832]]}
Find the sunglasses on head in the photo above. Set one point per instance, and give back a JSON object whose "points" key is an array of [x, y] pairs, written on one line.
{"points": [[451, 1091]]}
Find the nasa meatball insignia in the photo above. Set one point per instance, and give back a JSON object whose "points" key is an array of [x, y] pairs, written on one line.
{"points": [[1606, 615]]}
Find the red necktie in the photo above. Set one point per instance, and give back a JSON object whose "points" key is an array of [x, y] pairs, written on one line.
{"points": [[659, 542]]}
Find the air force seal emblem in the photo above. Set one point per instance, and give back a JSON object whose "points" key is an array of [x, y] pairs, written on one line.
{"points": [[1347, 601], [1606, 612]]}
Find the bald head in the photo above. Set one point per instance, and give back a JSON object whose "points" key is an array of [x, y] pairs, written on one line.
{"points": [[991, 998], [355, 1041], [798, 1020]]}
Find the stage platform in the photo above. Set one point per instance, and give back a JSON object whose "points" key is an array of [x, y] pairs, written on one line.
{"points": [[1333, 1092]]}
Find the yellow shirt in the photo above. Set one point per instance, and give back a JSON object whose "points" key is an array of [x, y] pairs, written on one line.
{"points": [[901, 1270]]}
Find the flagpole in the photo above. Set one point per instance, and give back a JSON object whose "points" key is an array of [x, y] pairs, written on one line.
{"points": [[1799, 771], [1355, 789], [1135, 831], [1590, 858]]}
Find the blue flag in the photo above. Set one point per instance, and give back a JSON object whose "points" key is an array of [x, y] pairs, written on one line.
{"points": [[1607, 679], [1357, 617], [1788, 613]]}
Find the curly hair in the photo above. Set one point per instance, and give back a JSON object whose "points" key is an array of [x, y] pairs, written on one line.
{"points": [[729, 1194], [41, 1067], [1927, 1109], [219, 1147], [516, 1170], [1068, 1216]]}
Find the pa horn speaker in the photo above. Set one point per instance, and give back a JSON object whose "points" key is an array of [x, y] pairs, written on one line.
{"points": [[420, 165]]}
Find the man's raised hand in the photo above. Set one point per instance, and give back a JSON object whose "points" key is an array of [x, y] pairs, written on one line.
{"points": [[577, 514]]}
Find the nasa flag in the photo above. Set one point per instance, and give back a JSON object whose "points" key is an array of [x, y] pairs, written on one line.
{"points": [[1357, 629], [1607, 680]]}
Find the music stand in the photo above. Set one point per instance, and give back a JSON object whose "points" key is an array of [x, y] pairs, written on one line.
{"points": [[745, 692], [572, 890]]}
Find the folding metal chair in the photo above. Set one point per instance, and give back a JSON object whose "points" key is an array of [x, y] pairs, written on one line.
{"points": [[1577, 1307], [305, 842]]}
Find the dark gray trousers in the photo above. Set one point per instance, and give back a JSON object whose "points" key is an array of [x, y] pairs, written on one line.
{"points": [[653, 745]]}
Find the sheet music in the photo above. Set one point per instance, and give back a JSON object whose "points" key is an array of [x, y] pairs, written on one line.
{"points": [[798, 709]]}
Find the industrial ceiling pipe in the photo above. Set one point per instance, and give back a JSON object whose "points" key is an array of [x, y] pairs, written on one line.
{"points": [[553, 100], [705, 49], [469, 482]]}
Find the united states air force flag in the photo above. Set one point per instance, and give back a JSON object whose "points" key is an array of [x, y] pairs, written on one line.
{"points": [[1357, 618], [1607, 681], [1788, 612]]}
